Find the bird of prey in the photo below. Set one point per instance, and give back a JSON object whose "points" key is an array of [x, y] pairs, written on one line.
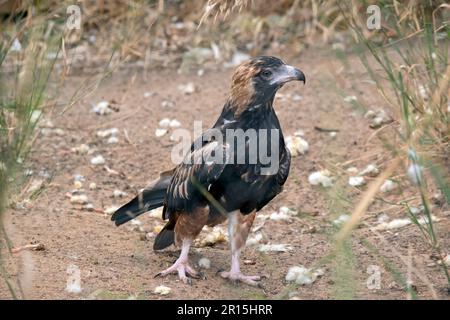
{"points": [[224, 178]]}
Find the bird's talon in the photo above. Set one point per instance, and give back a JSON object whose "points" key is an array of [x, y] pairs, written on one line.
{"points": [[239, 277], [220, 271]]}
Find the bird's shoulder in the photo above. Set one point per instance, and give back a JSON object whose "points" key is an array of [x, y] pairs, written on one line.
{"points": [[202, 165]]}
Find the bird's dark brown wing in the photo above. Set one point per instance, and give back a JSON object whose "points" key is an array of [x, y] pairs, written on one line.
{"points": [[200, 168]]}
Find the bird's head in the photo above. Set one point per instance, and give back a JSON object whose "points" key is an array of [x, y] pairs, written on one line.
{"points": [[257, 80]]}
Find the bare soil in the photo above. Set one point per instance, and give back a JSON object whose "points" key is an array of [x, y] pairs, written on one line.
{"points": [[119, 263]]}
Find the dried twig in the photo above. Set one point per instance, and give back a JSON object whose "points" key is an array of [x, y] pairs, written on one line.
{"points": [[36, 247]]}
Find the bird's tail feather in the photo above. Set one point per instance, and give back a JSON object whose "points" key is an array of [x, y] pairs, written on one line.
{"points": [[150, 198], [165, 237], [140, 204]]}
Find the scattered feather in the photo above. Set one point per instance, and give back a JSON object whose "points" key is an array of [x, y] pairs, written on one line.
{"points": [[35, 116], [81, 149], [297, 145], [88, 207], [16, 46], [164, 123], [399, 223], [415, 173], [416, 211], [78, 177], [382, 218], [157, 229], [283, 214], [341, 219], [204, 263], [377, 118], [136, 222], [388, 185], [110, 210], [79, 199], [320, 177], [254, 239], [370, 114], [78, 184], [371, 170], [107, 133], [217, 235], [356, 181], [119, 193], [275, 248], [98, 160], [112, 140], [174, 123], [160, 132], [162, 290], [352, 170], [350, 98], [156, 213], [102, 108], [280, 216], [423, 92], [288, 211], [303, 276], [188, 88], [167, 104]]}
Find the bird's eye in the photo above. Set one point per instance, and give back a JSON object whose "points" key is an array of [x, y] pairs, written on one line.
{"points": [[266, 73]]}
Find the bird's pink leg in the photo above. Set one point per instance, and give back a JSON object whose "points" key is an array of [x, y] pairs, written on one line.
{"points": [[238, 229], [235, 274], [181, 265]]}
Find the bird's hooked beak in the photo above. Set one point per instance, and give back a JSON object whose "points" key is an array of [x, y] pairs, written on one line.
{"points": [[287, 73]]}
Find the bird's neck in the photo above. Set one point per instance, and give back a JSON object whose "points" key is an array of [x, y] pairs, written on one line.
{"points": [[257, 114]]}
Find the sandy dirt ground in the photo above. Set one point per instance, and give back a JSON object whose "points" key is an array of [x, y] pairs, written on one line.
{"points": [[119, 263]]}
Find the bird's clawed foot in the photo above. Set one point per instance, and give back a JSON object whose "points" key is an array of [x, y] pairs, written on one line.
{"points": [[236, 277], [183, 269]]}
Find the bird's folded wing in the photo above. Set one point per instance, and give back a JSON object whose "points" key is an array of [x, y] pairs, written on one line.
{"points": [[192, 178]]}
